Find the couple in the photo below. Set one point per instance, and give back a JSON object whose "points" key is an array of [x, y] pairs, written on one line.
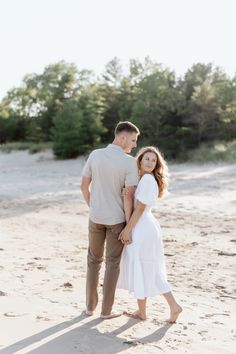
{"points": [[131, 236]]}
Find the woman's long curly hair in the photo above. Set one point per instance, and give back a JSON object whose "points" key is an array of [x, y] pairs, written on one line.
{"points": [[160, 171]]}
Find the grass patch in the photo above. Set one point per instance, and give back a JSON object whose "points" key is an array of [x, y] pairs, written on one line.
{"points": [[214, 152], [32, 147]]}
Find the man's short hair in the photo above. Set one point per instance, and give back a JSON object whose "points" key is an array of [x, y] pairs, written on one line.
{"points": [[126, 127]]}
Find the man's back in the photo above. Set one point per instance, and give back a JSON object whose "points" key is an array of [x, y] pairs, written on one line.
{"points": [[110, 170]]}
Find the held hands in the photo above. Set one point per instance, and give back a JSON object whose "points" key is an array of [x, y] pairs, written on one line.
{"points": [[125, 237]]}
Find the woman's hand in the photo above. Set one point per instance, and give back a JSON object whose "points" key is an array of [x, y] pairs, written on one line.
{"points": [[125, 236]]}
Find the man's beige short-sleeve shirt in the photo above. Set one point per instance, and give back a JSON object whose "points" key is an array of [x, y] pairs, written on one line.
{"points": [[110, 170]]}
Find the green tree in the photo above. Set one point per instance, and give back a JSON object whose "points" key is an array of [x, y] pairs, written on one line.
{"points": [[201, 117], [12, 126], [110, 89], [156, 110], [78, 125], [42, 96], [226, 93]]}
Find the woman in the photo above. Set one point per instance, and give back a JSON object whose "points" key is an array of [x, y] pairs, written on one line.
{"points": [[142, 267]]}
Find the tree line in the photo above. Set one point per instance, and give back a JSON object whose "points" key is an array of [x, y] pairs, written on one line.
{"points": [[77, 111]]}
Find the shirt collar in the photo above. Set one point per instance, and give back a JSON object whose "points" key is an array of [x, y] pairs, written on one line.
{"points": [[114, 146]]}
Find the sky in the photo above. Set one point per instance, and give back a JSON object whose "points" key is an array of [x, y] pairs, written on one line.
{"points": [[89, 33]]}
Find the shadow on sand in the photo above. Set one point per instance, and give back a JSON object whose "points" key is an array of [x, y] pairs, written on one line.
{"points": [[82, 339]]}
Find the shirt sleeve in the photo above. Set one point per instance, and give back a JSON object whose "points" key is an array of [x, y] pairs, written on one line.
{"points": [[87, 170], [131, 178], [147, 191]]}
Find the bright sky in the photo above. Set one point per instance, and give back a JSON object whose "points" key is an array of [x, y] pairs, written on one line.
{"points": [[89, 33]]}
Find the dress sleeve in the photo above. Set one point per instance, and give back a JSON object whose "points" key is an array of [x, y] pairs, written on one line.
{"points": [[147, 190]]}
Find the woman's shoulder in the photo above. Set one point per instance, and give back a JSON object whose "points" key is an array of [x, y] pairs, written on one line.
{"points": [[147, 190], [147, 180], [147, 177]]}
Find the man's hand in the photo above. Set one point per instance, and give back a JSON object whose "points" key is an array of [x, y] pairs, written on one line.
{"points": [[125, 237]]}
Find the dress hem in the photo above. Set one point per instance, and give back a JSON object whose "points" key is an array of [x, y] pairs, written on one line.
{"points": [[131, 292]]}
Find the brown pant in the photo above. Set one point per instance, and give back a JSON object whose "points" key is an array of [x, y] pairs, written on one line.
{"points": [[98, 234]]}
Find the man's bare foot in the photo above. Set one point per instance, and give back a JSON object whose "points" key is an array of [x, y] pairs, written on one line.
{"points": [[174, 313], [137, 315], [89, 313], [111, 315]]}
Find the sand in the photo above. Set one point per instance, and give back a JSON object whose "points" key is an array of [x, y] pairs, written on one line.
{"points": [[43, 246]]}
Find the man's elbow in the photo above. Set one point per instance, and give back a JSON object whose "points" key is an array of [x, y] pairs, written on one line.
{"points": [[84, 186]]}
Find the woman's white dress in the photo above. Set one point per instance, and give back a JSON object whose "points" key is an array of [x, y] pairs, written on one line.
{"points": [[142, 266]]}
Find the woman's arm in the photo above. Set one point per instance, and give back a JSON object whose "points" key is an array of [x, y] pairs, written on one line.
{"points": [[125, 235]]}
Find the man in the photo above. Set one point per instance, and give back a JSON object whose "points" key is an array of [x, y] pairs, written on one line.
{"points": [[108, 170]]}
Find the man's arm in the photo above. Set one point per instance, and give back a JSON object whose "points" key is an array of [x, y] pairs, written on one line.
{"points": [[128, 201], [85, 188]]}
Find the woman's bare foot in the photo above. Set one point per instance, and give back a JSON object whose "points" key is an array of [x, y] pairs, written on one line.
{"points": [[174, 313], [136, 314]]}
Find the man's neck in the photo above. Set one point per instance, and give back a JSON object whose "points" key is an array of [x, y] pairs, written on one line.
{"points": [[115, 142]]}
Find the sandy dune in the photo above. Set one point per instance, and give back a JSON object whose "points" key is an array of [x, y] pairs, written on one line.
{"points": [[43, 242]]}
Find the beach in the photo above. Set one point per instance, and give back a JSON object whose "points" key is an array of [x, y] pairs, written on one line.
{"points": [[43, 255]]}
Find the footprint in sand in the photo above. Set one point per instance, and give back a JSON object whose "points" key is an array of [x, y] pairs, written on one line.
{"points": [[133, 342], [13, 314], [42, 259], [193, 244], [222, 253], [219, 286], [67, 285], [197, 286], [41, 267], [157, 322], [217, 322], [202, 333], [43, 318], [215, 314]]}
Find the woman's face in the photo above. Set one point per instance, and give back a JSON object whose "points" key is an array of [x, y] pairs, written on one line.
{"points": [[148, 162]]}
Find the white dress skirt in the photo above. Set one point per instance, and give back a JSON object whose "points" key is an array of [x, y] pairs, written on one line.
{"points": [[142, 266]]}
